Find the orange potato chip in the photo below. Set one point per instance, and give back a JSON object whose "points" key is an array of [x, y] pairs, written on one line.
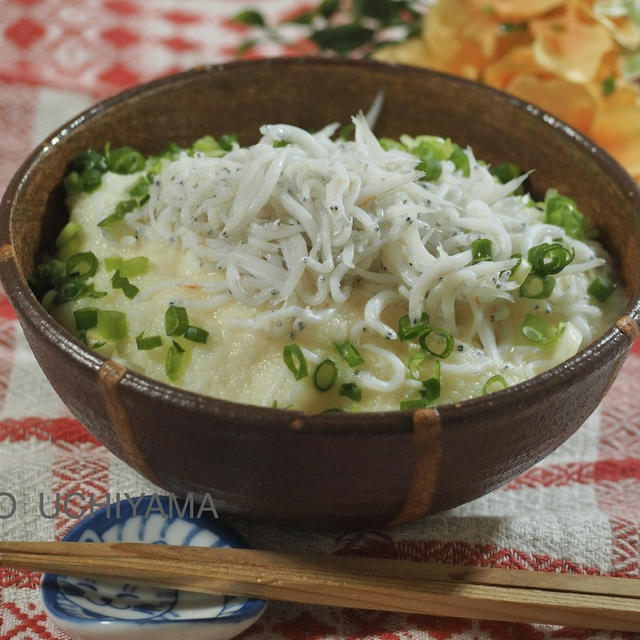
{"points": [[516, 62], [617, 128], [414, 52], [568, 101], [622, 28], [411, 51], [609, 66], [614, 90], [451, 25], [570, 47], [624, 95], [517, 10]]}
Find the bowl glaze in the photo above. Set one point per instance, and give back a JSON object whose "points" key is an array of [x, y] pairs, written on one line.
{"points": [[329, 470]]}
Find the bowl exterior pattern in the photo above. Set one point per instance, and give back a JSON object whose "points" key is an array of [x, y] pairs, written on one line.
{"points": [[329, 470]]}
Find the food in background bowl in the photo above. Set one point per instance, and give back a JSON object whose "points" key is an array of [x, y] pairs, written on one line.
{"points": [[317, 273]]}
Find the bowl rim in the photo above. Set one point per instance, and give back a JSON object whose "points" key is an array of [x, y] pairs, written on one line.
{"points": [[612, 343], [48, 585]]}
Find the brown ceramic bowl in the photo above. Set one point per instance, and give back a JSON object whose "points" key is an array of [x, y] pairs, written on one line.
{"points": [[329, 470]]}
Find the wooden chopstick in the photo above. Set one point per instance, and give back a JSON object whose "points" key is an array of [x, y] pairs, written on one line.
{"points": [[347, 581]]}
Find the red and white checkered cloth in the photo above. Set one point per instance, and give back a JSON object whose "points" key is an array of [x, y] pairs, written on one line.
{"points": [[577, 511]]}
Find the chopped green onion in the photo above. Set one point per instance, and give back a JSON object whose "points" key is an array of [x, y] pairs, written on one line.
{"points": [[73, 183], [86, 318], [548, 258], [174, 364], [134, 267], [71, 248], [295, 361], [226, 141], [460, 160], [425, 146], [490, 385], [346, 131], [124, 160], [536, 286], [86, 172], [113, 264], [122, 208], [89, 159], [538, 331], [534, 329], [481, 250], [47, 276], [47, 299], [141, 188], [91, 179], [351, 391], [410, 405], [601, 288], [206, 143], [431, 168], [431, 389], [521, 270], [196, 334], [408, 330], [518, 259], [176, 321], [118, 282], [91, 293], [82, 265], [128, 268], [280, 143], [68, 233], [389, 143], [208, 146], [71, 289], [440, 342], [415, 359], [171, 152], [349, 353], [562, 212], [567, 342], [505, 172], [111, 325], [94, 345], [325, 375], [149, 342], [432, 150]]}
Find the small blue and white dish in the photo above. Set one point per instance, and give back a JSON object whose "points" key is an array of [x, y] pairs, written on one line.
{"points": [[98, 608]]}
